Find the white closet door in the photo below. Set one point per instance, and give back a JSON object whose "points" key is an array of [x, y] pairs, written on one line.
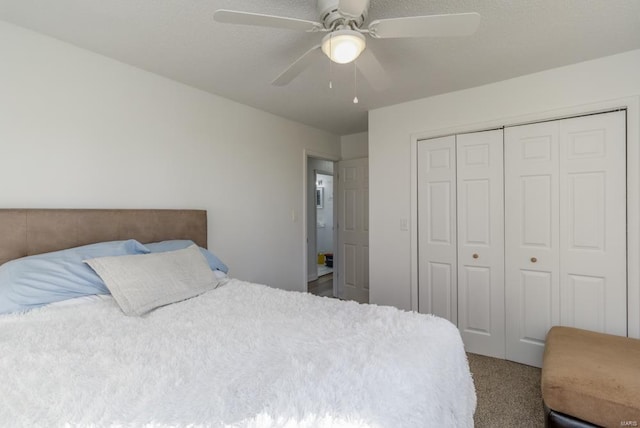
{"points": [[565, 230], [593, 265], [481, 242], [532, 254], [437, 282]]}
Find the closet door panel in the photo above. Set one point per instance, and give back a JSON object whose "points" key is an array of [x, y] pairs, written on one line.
{"points": [[441, 280], [437, 278], [592, 223], [536, 211], [476, 289], [531, 243], [534, 307], [480, 207], [582, 302]]}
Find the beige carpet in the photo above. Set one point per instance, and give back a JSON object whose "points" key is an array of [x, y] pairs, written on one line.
{"points": [[508, 393]]}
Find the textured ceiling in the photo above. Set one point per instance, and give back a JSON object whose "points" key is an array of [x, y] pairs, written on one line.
{"points": [[180, 40]]}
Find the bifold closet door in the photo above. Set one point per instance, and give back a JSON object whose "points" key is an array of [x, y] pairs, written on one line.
{"points": [[437, 280], [565, 226], [461, 236], [480, 221]]}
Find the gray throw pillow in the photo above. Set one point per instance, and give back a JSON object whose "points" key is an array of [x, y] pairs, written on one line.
{"points": [[141, 283]]}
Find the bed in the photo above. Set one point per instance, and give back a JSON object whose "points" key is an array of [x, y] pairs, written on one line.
{"points": [[238, 355]]}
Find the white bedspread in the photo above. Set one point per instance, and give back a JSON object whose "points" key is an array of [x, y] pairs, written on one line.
{"points": [[243, 355]]}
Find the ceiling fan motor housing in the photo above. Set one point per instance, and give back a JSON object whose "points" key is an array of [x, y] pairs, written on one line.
{"points": [[330, 15]]}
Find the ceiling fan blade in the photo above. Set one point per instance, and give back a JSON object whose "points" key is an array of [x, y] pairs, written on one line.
{"points": [[459, 24], [297, 67], [372, 71], [353, 8], [258, 19]]}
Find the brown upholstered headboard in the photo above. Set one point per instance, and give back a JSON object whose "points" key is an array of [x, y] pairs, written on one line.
{"points": [[24, 232]]}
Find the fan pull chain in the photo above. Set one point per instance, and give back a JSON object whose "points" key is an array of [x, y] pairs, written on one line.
{"points": [[355, 83], [330, 50]]}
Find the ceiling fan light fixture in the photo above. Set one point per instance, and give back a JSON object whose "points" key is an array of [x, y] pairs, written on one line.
{"points": [[343, 46]]}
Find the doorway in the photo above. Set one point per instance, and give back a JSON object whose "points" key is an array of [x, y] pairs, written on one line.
{"points": [[324, 222], [320, 226]]}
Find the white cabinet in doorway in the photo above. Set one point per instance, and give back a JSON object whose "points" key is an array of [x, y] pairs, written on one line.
{"points": [[523, 229]]}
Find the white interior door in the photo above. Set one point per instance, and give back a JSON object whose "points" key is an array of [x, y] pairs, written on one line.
{"points": [[532, 254], [353, 224], [565, 230], [437, 249], [480, 208], [593, 246]]}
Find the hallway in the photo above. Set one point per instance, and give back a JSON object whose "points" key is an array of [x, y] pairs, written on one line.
{"points": [[323, 286]]}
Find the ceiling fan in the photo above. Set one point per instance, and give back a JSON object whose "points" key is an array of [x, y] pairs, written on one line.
{"points": [[345, 40]]}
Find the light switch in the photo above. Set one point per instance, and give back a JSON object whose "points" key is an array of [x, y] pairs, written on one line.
{"points": [[404, 224]]}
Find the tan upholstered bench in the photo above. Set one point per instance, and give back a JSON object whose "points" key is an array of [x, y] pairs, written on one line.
{"points": [[591, 378]]}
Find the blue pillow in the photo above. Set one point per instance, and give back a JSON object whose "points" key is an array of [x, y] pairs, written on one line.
{"points": [[34, 281], [178, 244]]}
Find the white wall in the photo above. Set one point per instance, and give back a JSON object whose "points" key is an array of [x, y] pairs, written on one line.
{"points": [[79, 130], [393, 131], [354, 146]]}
